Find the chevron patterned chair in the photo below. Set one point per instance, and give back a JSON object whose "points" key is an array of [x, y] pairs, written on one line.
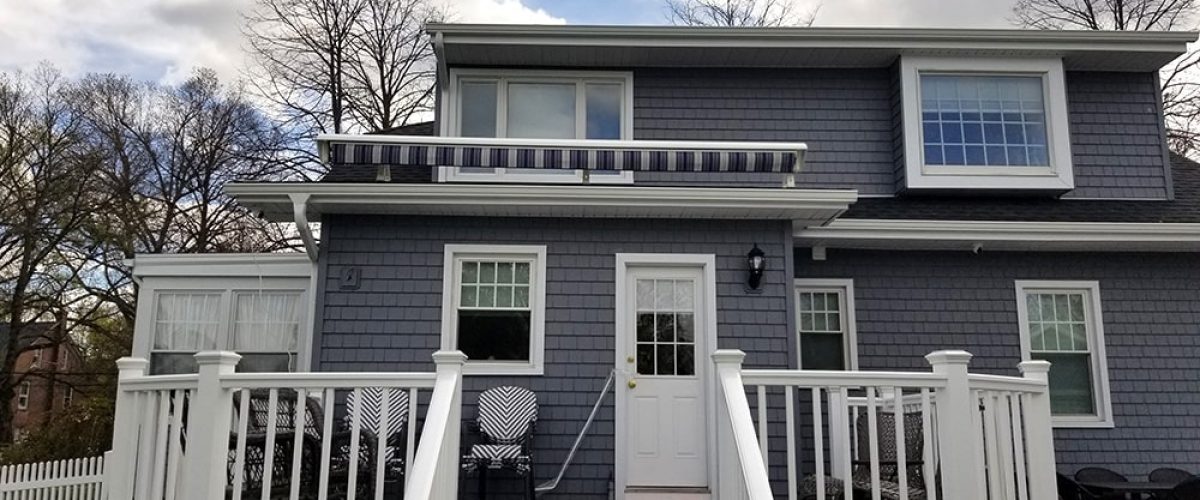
{"points": [[372, 411], [506, 419]]}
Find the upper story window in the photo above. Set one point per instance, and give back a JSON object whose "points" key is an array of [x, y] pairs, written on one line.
{"points": [[525, 104], [985, 124], [1060, 323], [494, 307]]}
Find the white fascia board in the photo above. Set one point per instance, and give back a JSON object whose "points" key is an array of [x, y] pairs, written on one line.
{"points": [[548, 200], [1003, 235], [791, 147], [894, 38], [236, 264]]}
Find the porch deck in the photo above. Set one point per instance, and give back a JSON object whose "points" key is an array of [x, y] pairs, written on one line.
{"points": [[903, 435]]}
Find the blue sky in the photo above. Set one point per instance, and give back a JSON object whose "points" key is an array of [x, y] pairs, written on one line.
{"points": [[162, 40]]}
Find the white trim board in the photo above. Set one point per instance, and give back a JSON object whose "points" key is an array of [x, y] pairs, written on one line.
{"points": [[234, 264], [1001, 235], [808, 205]]}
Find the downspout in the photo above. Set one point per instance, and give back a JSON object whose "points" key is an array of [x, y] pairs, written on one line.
{"points": [[300, 217]]}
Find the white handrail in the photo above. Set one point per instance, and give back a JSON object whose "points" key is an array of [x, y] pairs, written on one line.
{"points": [[327, 380], [848, 379], [749, 455]]}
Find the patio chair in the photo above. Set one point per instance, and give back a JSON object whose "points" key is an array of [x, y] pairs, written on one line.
{"points": [[372, 411], [1068, 489], [1187, 490], [505, 422], [1101, 475], [1169, 475], [889, 469]]}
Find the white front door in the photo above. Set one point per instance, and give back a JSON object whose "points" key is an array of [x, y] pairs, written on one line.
{"points": [[664, 349]]}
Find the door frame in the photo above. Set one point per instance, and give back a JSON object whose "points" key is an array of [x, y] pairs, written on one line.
{"points": [[707, 264]]}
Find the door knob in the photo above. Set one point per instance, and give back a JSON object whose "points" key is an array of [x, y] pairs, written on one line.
{"points": [[632, 383], [629, 359]]}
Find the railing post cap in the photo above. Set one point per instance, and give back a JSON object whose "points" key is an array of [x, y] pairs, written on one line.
{"points": [[449, 358], [131, 363], [204, 358], [949, 357], [728, 356], [1034, 366]]}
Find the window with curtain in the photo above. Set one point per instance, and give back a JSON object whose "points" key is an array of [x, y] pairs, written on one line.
{"points": [[1062, 327], [825, 333], [262, 325]]}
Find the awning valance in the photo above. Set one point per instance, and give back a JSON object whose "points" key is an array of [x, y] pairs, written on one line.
{"points": [[662, 156]]}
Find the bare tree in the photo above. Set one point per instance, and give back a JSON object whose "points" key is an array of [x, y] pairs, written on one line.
{"points": [[342, 65], [1180, 80], [733, 13]]}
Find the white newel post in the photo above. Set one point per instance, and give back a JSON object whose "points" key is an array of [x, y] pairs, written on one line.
{"points": [[1039, 435], [210, 415], [730, 483], [119, 469], [446, 483], [962, 473]]}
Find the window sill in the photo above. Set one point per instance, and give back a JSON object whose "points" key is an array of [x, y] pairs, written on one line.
{"points": [[1082, 422], [989, 178], [482, 368]]}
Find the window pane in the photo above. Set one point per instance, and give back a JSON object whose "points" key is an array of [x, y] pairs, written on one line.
{"points": [[979, 111], [603, 111], [494, 335], [822, 351], [541, 110], [187, 321], [266, 362], [172, 363], [1070, 383], [478, 109], [267, 321]]}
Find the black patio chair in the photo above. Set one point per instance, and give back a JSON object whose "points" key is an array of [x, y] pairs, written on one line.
{"points": [[889, 468], [1068, 489], [1169, 475], [1187, 490], [1101, 475], [505, 422]]}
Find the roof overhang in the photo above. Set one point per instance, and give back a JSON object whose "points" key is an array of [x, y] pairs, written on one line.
{"points": [[1001, 236], [678, 46], [804, 206], [282, 265]]}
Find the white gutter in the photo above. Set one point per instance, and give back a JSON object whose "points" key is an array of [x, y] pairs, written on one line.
{"points": [[300, 217], [1002, 235]]}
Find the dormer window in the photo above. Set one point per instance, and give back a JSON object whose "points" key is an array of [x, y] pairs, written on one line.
{"points": [[526, 104], [985, 124]]}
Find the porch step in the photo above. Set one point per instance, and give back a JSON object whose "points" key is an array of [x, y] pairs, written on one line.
{"points": [[666, 493]]}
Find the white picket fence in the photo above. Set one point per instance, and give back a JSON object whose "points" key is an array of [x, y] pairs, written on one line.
{"points": [[73, 479]]}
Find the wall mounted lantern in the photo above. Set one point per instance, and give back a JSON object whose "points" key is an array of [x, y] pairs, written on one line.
{"points": [[757, 261]]}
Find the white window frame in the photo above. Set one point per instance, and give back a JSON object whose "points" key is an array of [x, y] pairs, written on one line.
{"points": [[1095, 331], [451, 124], [228, 287], [23, 395], [453, 255], [1058, 175], [845, 290]]}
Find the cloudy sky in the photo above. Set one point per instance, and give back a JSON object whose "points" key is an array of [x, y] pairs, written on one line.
{"points": [[162, 40]]}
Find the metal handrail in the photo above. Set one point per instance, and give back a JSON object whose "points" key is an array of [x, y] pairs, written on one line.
{"points": [[549, 486]]}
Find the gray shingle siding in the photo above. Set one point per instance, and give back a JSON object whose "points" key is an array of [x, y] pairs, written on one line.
{"points": [[1116, 135], [912, 303], [392, 321]]}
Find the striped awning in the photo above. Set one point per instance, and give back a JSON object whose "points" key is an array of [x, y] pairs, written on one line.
{"points": [[663, 156]]}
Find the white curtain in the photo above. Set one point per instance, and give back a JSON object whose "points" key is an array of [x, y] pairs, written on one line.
{"points": [[187, 321], [266, 322]]}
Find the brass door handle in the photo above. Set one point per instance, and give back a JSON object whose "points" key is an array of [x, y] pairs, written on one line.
{"points": [[632, 383], [629, 359]]}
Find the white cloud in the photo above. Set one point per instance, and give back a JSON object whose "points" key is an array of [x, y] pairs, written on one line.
{"points": [[915, 13], [497, 12]]}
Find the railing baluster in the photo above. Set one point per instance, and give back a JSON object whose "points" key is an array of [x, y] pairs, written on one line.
{"points": [[269, 452], [1005, 443], [299, 430], [410, 444], [980, 459], [326, 443], [161, 446], [146, 444], [901, 443], [927, 431], [381, 442], [819, 442], [176, 445], [762, 424], [789, 426], [844, 400], [992, 446], [1018, 428], [239, 453], [355, 423], [873, 442]]}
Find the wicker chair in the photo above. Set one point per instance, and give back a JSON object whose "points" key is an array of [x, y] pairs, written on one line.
{"points": [[1169, 475], [506, 419], [1101, 475], [889, 470]]}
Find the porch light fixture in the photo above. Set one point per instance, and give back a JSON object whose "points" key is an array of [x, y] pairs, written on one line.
{"points": [[757, 261]]}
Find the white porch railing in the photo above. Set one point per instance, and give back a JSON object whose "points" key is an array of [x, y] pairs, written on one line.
{"points": [[220, 434], [897, 435], [74, 479]]}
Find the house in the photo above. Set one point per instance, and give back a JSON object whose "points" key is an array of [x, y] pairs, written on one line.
{"points": [[44, 368], [848, 208]]}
